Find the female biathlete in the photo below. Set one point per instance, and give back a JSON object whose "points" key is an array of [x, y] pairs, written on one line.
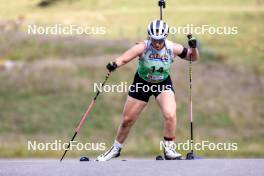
{"points": [[152, 78]]}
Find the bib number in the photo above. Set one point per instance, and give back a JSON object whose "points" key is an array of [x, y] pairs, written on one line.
{"points": [[160, 70]]}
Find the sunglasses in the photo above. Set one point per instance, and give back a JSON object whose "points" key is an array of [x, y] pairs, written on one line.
{"points": [[160, 41]]}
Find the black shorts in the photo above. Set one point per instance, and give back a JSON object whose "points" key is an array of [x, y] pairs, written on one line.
{"points": [[142, 90]]}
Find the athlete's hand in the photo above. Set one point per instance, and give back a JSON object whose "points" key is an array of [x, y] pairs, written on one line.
{"points": [[111, 66], [192, 41]]}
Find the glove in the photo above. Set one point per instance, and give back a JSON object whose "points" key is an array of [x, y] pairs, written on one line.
{"points": [[111, 66], [192, 42]]}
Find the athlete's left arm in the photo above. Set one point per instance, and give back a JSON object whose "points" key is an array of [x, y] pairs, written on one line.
{"points": [[184, 53]]}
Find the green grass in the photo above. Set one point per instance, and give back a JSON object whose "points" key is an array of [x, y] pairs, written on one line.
{"points": [[45, 98], [46, 111], [245, 49]]}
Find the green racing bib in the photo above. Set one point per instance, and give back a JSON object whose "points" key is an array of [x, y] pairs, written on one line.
{"points": [[154, 65]]}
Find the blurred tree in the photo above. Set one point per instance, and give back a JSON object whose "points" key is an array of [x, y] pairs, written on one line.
{"points": [[260, 2], [45, 3]]}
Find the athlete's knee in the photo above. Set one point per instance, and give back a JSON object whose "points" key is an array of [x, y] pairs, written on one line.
{"points": [[170, 116], [128, 120]]}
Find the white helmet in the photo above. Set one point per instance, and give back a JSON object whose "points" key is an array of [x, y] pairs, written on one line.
{"points": [[158, 30]]}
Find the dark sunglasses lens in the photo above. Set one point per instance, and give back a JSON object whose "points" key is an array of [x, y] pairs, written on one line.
{"points": [[158, 41]]}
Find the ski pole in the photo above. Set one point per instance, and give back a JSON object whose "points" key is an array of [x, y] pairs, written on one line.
{"points": [[85, 115], [190, 98], [162, 4]]}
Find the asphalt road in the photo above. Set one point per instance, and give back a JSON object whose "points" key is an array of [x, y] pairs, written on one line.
{"points": [[132, 167]]}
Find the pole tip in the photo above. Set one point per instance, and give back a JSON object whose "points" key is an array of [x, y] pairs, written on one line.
{"points": [[189, 36]]}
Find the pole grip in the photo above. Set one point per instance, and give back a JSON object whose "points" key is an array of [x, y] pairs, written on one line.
{"points": [[162, 5]]}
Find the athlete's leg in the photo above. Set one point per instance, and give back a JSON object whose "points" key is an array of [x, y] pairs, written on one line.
{"points": [[131, 112], [166, 101]]}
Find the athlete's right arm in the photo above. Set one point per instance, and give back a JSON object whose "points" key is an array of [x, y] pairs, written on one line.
{"points": [[130, 54]]}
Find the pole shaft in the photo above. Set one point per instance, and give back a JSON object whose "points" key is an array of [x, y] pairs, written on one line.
{"points": [[77, 130], [161, 16], [190, 90], [190, 106], [68, 146], [191, 136], [90, 106], [84, 116]]}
